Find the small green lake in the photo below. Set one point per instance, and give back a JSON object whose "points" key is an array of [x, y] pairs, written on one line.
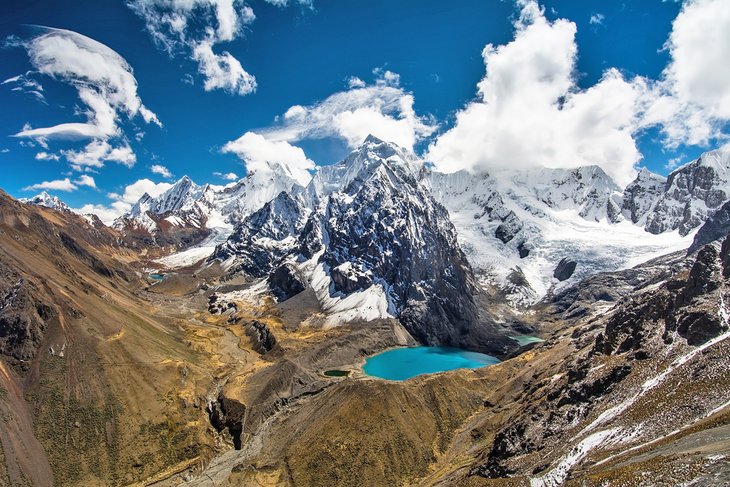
{"points": [[403, 363], [157, 277], [336, 373]]}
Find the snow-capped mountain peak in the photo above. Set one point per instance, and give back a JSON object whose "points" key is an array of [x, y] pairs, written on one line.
{"points": [[361, 164], [47, 200], [692, 194]]}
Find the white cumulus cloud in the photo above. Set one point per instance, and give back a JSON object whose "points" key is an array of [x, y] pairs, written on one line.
{"points": [[262, 155], [222, 71], [96, 152], [692, 101], [195, 28], [383, 109], [529, 111], [45, 156], [122, 203], [230, 176], [86, 180]]}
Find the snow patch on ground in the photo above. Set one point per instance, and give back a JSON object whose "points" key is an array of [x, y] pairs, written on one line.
{"points": [[557, 476], [219, 233], [367, 305]]}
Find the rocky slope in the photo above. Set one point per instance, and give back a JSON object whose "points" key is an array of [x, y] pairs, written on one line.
{"points": [[88, 369], [631, 384], [209, 377], [623, 390]]}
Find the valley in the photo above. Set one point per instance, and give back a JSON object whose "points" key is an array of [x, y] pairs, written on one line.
{"points": [[306, 243], [234, 352]]}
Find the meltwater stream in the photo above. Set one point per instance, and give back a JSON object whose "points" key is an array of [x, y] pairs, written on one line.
{"points": [[404, 363]]}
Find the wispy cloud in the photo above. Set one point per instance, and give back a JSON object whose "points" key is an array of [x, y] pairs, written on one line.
{"points": [[596, 19], [195, 28], [45, 156], [161, 170], [383, 109], [675, 162], [97, 152], [23, 83]]}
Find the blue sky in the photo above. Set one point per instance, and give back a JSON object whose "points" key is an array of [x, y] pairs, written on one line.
{"points": [[375, 54]]}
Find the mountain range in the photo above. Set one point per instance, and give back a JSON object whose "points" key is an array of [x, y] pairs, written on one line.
{"points": [[216, 335], [513, 227]]}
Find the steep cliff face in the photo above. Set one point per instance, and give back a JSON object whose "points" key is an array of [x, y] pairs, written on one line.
{"points": [[641, 196], [265, 238], [692, 194], [715, 228]]}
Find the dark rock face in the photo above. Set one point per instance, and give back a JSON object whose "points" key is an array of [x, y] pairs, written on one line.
{"points": [[716, 228], [627, 328], [667, 297], [370, 221], [387, 228], [564, 269], [725, 256], [347, 281], [703, 277], [523, 249], [278, 219], [699, 327], [565, 404], [284, 283], [228, 413], [678, 303], [509, 228], [261, 337]]}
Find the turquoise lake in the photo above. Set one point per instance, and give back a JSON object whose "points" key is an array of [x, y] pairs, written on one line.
{"points": [[404, 363]]}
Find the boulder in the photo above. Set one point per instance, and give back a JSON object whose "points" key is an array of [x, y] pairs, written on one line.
{"points": [[564, 269]]}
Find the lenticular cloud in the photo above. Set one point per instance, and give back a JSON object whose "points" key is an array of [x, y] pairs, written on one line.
{"points": [[105, 84]]}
